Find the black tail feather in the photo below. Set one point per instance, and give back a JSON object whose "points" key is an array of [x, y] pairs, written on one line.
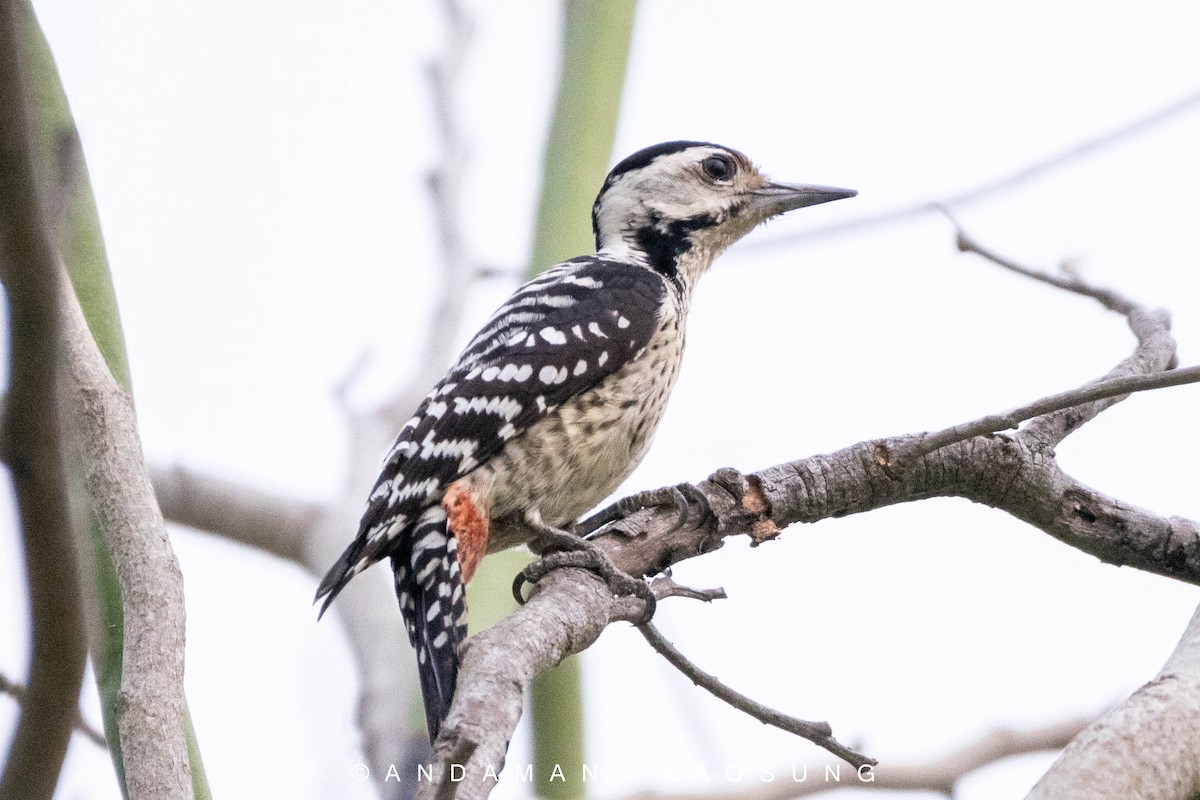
{"points": [[433, 601], [336, 578]]}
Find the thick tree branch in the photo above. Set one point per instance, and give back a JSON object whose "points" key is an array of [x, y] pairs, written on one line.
{"points": [[150, 714], [1014, 473], [260, 519], [1143, 748], [31, 445], [571, 607], [568, 610]]}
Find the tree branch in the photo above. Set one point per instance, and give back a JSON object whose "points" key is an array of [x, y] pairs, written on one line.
{"points": [[1152, 329], [260, 519], [1037, 169], [819, 733], [1103, 389], [31, 445], [150, 713], [941, 774], [458, 269], [1145, 747], [1016, 474], [20, 693], [1069, 281]]}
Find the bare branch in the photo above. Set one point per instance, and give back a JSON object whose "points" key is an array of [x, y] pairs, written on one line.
{"points": [[150, 715], [819, 733], [18, 692], [988, 189], [1155, 353], [1145, 747], [944, 773], [458, 269], [570, 607], [664, 586], [1109, 298], [941, 774], [1118, 388], [1017, 474], [251, 516]]}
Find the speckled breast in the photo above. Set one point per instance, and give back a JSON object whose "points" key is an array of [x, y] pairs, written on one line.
{"points": [[608, 430]]}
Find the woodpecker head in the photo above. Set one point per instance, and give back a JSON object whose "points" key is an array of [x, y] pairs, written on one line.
{"points": [[675, 206]]}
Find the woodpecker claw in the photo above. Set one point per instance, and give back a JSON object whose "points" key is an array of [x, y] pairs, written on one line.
{"points": [[581, 554], [681, 497]]}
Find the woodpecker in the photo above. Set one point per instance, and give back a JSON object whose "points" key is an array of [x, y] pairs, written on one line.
{"points": [[554, 402]]}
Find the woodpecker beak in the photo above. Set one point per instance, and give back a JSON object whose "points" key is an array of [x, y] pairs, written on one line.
{"points": [[776, 198]]}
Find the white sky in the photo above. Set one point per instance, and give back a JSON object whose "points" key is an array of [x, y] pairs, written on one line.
{"points": [[259, 172]]}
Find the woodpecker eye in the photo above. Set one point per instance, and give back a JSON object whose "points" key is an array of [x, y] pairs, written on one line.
{"points": [[719, 168]]}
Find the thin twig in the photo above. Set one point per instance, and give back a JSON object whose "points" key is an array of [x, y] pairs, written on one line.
{"points": [[1116, 388], [1109, 298], [16, 691], [819, 733], [367, 608], [994, 423], [458, 268], [985, 190], [1152, 329], [664, 586]]}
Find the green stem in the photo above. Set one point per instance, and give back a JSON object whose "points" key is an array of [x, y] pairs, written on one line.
{"points": [[76, 228], [595, 53], [30, 439]]}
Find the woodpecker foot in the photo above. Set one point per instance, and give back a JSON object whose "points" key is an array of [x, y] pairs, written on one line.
{"points": [[575, 552], [681, 497]]}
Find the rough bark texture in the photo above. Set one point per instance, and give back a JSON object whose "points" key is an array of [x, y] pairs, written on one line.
{"points": [[1145, 748], [150, 712]]}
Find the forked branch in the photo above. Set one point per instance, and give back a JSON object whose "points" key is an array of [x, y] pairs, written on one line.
{"points": [[1016, 473]]}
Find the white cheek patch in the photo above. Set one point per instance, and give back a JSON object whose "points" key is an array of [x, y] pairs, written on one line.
{"points": [[665, 189]]}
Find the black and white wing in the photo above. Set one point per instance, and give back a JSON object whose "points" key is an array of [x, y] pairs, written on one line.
{"points": [[556, 337]]}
